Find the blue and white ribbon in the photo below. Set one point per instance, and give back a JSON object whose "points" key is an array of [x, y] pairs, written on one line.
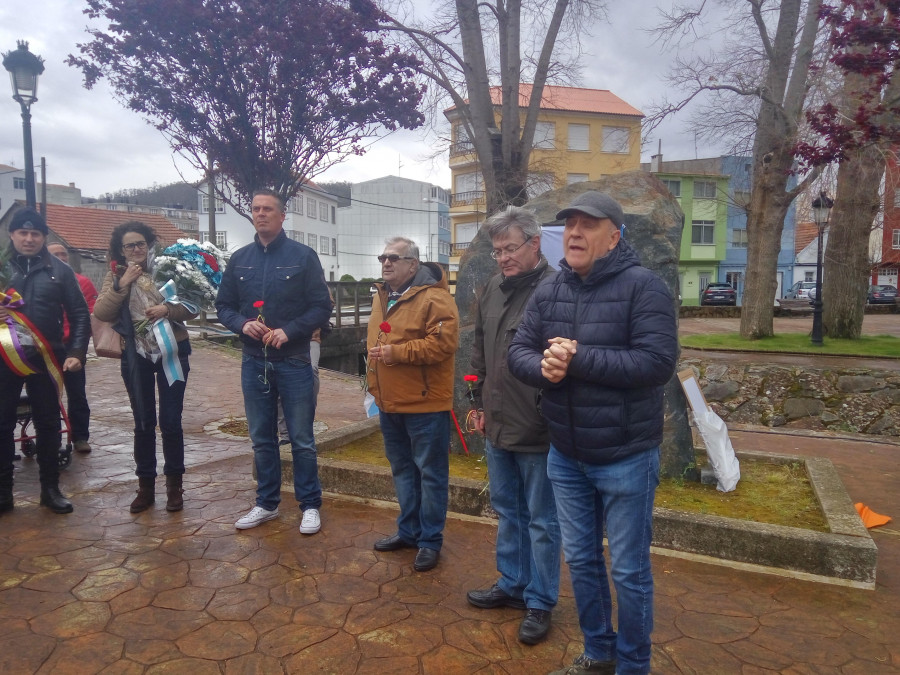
{"points": [[165, 336]]}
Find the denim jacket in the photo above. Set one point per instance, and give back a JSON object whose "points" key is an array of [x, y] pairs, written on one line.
{"points": [[287, 276]]}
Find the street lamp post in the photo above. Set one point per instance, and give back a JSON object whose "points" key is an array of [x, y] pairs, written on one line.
{"points": [[821, 207], [24, 68]]}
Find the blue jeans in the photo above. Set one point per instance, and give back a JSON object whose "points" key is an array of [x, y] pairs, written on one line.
{"points": [[621, 495], [142, 384], [417, 445], [528, 531], [291, 380]]}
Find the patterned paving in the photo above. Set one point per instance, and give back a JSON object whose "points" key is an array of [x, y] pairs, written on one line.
{"points": [[106, 591]]}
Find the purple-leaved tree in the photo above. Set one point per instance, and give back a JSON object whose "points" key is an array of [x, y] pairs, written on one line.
{"points": [[273, 92]]}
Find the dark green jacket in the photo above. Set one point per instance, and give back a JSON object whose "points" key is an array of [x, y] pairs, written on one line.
{"points": [[513, 421]]}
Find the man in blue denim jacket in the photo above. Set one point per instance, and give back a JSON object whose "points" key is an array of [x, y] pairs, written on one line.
{"points": [[273, 295]]}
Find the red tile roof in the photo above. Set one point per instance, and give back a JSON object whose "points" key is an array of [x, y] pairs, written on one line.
{"points": [[804, 233], [91, 228], [574, 99]]}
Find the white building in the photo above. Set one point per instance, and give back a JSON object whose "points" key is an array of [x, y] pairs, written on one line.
{"points": [[311, 219], [390, 207], [12, 188]]}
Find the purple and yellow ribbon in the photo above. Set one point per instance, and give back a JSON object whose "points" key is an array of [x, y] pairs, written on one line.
{"points": [[11, 349]]}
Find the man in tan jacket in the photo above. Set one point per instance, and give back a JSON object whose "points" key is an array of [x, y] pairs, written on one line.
{"points": [[412, 340]]}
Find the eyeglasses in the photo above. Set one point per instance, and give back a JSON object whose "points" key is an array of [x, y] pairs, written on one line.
{"points": [[393, 257], [498, 253], [138, 245]]}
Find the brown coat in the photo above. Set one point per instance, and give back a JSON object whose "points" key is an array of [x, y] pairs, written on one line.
{"points": [[424, 335], [109, 305]]}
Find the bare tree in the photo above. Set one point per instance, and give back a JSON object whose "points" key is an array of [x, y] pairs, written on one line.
{"points": [[766, 65], [474, 46]]}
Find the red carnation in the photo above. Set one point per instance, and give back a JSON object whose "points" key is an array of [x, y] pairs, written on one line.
{"points": [[258, 304], [471, 378], [385, 327]]}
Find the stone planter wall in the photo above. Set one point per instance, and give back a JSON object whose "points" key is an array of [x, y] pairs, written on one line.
{"points": [[849, 400]]}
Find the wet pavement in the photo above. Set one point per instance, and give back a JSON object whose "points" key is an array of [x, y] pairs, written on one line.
{"points": [[105, 591]]}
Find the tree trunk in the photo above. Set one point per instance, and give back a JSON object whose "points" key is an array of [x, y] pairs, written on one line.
{"points": [[847, 269]]}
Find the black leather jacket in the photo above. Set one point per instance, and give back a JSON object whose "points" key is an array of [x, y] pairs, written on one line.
{"points": [[48, 287]]}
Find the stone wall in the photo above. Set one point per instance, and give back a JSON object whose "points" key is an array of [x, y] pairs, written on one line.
{"points": [[849, 400]]}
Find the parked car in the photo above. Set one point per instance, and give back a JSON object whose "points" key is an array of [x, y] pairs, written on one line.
{"points": [[718, 294], [882, 295], [800, 290]]}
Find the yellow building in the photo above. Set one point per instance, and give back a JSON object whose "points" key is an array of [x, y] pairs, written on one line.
{"points": [[581, 134]]}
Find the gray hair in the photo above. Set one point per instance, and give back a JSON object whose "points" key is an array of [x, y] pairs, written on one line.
{"points": [[411, 249], [513, 216]]}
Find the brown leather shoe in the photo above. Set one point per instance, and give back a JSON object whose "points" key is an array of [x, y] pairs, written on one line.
{"points": [[174, 494]]}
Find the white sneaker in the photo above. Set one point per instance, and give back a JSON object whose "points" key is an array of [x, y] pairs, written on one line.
{"points": [[257, 516], [310, 523]]}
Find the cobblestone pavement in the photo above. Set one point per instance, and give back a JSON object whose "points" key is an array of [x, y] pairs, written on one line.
{"points": [[106, 591]]}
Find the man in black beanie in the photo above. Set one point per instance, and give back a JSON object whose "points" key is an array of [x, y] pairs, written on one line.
{"points": [[48, 288]]}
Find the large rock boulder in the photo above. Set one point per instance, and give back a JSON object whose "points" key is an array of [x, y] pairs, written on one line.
{"points": [[653, 225]]}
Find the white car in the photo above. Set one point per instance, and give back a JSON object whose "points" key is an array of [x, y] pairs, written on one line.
{"points": [[800, 290]]}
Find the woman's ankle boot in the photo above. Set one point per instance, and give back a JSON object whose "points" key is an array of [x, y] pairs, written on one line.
{"points": [[145, 494], [174, 499]]}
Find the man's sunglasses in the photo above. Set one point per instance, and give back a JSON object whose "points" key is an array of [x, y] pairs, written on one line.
{"points": [[393, 257]]}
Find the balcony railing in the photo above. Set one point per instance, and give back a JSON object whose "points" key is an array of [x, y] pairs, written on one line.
{"points": [[467, 198], [462, 148]]}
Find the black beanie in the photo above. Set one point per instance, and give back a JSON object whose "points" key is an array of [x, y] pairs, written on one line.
{"points": [[28, 219]]}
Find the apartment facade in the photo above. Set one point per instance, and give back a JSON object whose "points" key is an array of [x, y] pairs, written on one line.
{"points": [[581, 135], [886, 270], [12, 188], [714, 194], [388, 207], [310, 218]]}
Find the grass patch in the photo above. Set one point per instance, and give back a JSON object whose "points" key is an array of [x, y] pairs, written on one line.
{"points": [[879, 346], [779, 494]]}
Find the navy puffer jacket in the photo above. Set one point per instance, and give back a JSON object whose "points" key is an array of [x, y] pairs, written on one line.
{"points": [[610, 404]]}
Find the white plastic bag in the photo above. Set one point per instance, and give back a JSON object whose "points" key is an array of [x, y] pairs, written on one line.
{"points": [[369, 405], [725, 465]]}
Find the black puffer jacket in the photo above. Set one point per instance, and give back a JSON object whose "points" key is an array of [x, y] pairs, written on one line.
{"points": [[48, 287], [610, 404]]}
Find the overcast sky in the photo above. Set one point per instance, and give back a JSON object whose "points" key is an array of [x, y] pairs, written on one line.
{"points": [[92, 141]]}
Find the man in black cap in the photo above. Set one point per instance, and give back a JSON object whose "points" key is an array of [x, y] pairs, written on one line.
{"points": [[48, 288], [600, 340]]}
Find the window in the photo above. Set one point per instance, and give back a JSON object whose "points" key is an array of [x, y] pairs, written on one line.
{"points": [[572, 178], [312, 240], [295, 235], [221, 238], [809, 276], [733, 279], [895, 239], [704, 189], [323, 211], [579, 136], [204, 207], [333, 215], [703, 232], [18, 183], [295, 205], [897, 199], [468, 182], [615, 139], [323, 245], [742, 198], [673, 186], [334, 246], [739, 238], [545, 135], [310, 207], [444, 222]]}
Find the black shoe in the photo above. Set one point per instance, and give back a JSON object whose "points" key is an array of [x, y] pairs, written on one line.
{"points": [[54, 500], [494, 597], [534, 626], [393, 543], [6, 500], [426, 559]]}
